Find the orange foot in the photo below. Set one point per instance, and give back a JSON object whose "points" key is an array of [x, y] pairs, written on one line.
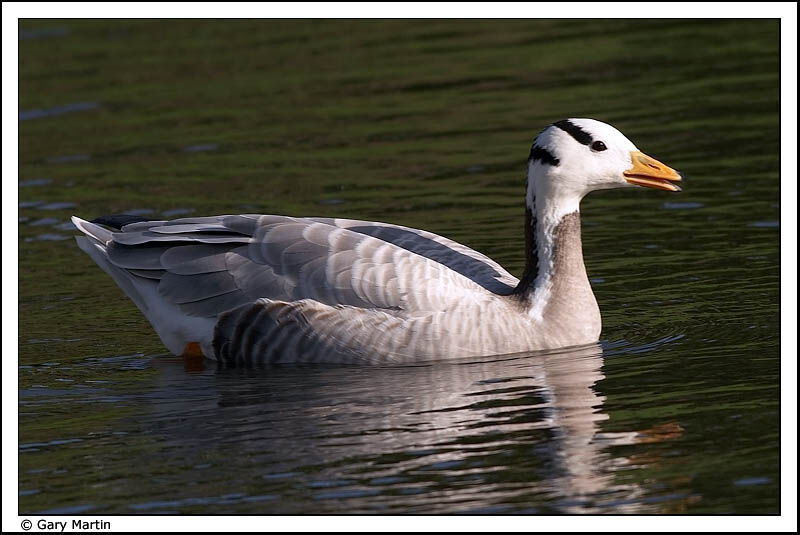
{"points": [[193, 358]]}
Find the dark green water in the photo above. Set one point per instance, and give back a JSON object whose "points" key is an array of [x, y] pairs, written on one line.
{"points": [[426, 124]]}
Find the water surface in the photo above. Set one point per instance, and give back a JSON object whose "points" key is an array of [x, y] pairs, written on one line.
{"points": [[425, 124]]}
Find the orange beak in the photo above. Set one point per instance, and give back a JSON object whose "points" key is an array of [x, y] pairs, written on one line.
{"points": [[651, 173]]}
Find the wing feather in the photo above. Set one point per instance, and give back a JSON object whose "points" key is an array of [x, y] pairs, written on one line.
{"points": [[201, 258], [187, 288], [131, 257], [207, 265]]}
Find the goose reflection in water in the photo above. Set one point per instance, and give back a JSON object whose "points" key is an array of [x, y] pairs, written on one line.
{"points": [[520, 433]]}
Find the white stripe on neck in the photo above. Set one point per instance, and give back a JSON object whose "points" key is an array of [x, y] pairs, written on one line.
{"points": [[548, 207]]}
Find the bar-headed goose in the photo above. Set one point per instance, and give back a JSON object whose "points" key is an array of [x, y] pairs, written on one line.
{"points": [[268, 288]]}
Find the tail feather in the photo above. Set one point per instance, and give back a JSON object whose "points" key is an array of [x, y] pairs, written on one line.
{"points": [[175, 328], [90, 229], [124, 280]]}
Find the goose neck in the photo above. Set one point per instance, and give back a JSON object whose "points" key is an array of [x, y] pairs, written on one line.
{"points": [[555, 277]]}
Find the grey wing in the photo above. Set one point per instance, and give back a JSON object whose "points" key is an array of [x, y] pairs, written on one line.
{"points": [[212, 264], [470, 263]]}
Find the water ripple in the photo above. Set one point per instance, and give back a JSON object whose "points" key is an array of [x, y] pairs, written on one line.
{"points": [[74, 107]]}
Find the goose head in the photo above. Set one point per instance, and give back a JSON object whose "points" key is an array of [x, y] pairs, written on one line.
{"points": [[573, 157]]}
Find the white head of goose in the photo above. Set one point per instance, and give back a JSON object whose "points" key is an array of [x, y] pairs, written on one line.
{"points": [[254, 289]]}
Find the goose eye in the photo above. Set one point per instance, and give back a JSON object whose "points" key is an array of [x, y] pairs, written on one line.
{"points": [[598, 146]]}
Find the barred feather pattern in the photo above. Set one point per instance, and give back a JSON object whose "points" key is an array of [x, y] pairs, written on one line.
{"points": [[288, 289]]}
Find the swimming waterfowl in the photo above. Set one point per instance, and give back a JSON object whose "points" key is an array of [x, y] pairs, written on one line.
{"points": [[249, 289]]}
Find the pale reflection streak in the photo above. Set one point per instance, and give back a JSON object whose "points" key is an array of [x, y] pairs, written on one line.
{"points": [[515, 432]]}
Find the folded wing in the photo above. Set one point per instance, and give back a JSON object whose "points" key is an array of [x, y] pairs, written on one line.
{"points": [[211, 264]]}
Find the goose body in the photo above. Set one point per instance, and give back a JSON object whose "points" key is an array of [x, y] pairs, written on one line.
{"points": [[268, 288]]}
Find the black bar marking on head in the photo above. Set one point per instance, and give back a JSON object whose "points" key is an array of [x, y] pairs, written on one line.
{"points": [[580, 135], [542, 155]]}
